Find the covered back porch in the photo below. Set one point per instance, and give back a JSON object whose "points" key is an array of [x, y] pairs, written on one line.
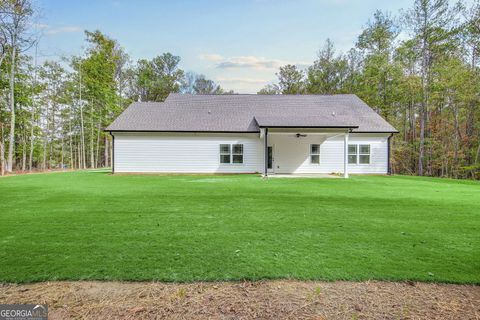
{"points": [[305, 151]]}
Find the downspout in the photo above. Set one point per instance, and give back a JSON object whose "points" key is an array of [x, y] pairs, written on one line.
{"points": [[265, 174], [345, 154], [389, 163]]}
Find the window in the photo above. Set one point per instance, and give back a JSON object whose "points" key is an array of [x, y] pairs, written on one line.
{"points": [[231, 153], [237, 153], [352, 154], [224, 153], [358, 153], [364, 154], [315, 153]]}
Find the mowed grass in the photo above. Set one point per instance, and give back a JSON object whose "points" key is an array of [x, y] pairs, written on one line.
{"points": [[93, 225]]}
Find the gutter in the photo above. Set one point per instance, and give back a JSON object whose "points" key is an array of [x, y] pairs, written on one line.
{"points": [[313, 127], [181, 131]]}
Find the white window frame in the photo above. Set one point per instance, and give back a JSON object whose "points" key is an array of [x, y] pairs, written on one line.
{"points": [[314, 154], [369, 154], [352, 154], [231, 154], [237, 154], [357, 153]]}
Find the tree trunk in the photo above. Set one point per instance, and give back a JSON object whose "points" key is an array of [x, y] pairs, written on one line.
{"points": [[97, 157], [423, 107], [32, 124], [82, 128], [72, 160], [30, 156], [61, 156], [422, 141], [45, 140], [11, 143], [477, 157], [79, 147], [106, 151], [24, 154], [2, 159], [82, 141], [92, 154], [456, 139], [2, 152]]}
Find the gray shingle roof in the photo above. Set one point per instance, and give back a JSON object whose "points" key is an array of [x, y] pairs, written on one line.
{"points": [[247, 113]]}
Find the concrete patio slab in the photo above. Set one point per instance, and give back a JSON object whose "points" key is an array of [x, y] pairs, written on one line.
{"points": [[304, 175]]}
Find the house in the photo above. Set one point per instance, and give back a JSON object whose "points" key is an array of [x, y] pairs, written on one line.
{"points": [[251, 133]]}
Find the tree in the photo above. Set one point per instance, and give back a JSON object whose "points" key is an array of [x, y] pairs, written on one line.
{"points": [[206, 86], [380, 75], [15, 22], [100, 89], [193, 83], [290, 80], [269, 89], [52, 77], [379, 34], [124, 74], [431, 25], [471, 37], [4, 36], [328, 73], [157, 78]]}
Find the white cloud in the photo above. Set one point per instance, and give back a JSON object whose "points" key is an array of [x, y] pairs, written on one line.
{"points": [[242, 80], [246, 62], [67, 29], [211, 57], [50, 30], [40, 26], [244, 74], [242, 84]]}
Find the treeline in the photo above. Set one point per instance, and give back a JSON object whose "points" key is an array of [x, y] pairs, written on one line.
{"points": [[420, 71], [52, 115]]}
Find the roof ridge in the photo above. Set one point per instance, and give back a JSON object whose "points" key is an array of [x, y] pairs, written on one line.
{"points": [[260, 95]]}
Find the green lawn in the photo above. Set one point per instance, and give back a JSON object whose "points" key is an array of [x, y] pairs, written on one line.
{"points": [[92, 225]]}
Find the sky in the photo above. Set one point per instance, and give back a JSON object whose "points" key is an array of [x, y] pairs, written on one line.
{"points": [[240, 44]]}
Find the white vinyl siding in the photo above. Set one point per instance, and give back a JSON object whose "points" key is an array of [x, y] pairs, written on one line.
{"points": [[186, 152], [200, 153]]}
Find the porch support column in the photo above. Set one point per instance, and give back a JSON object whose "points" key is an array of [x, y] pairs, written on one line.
{"points": [[345, 156], [265, 173], [112, 156]]}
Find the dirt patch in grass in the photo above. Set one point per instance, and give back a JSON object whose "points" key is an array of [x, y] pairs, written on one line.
{"points": [[249, 300]]}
